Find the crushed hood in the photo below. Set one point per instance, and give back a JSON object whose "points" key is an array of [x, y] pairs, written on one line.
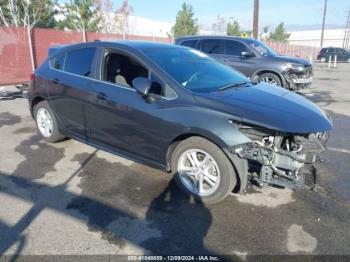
{"points": [[269, 106]]}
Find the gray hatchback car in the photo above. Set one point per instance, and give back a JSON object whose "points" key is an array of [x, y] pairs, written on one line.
{"points": [[254, 59]]}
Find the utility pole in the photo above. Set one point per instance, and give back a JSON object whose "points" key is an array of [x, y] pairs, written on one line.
{"points": [[256, 19], [346, 42], [323, 21]]}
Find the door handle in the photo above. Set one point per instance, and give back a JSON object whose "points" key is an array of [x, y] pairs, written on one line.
{"points": [[225, 59], [55, 81], [101, 96]]}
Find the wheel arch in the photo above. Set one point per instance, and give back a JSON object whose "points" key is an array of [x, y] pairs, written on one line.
{"points": [[239, 165], [271, 71], [36, 100]]}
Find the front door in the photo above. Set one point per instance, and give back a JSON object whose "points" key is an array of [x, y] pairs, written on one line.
{"points": [[121, 119], [233, 57]]}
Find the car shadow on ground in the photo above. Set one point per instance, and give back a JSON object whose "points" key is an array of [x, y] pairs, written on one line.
{"points": [[166, 236]]}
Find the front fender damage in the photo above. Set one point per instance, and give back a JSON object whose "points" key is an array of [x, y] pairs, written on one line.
{"points": [[280, 159]]}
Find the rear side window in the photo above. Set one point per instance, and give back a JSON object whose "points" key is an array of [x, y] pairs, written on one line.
{"points": [[57, 62], [212, 46], [330, 50], [234, 48], [190, 43], [79, 61]]}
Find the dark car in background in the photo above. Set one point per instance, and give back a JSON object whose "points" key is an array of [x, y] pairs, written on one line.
{"points": [[177, 109], [254, 59], [342, 54]]}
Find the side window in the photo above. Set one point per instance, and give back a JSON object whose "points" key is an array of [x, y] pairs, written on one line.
{"points": [[190, 43], [79, 61], [121, 69], [330, 50], [212, 46], [57, 62], [234, 48]]}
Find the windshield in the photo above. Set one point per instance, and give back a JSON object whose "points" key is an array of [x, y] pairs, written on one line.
{"points": [[193, 69], [261, 48]]}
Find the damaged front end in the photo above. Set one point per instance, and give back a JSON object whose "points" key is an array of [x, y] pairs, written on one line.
{"points": [[280, 159], [298, 76]]}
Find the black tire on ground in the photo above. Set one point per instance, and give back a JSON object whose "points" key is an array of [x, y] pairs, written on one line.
{"points": [[228, 177], [55, 135], [270, 78]]}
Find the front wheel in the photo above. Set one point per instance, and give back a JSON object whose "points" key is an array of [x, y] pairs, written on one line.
{"points": [[46, 122], [270, 78], [203, 170]]}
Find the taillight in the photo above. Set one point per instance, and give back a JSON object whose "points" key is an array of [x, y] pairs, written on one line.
{"points": [[32, 77]]}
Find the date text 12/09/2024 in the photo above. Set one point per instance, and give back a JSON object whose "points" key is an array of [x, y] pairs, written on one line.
{"points": [[173, 258]]}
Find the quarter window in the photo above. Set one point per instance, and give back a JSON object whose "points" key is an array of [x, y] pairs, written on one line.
{"points": [[212, 46], [57, 62], [79, 61]]}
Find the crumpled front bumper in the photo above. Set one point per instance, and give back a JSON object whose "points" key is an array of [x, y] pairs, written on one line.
{"points": [[299, 80]]}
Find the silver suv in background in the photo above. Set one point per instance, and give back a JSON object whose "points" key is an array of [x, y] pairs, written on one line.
{"points": [[254, 59]]}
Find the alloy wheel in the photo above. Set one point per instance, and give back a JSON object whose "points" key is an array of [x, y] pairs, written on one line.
{"points": [[44, 122], [199, 172], [269, 80]]}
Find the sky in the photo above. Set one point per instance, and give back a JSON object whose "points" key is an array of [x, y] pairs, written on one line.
{"points": [[272, 12]]}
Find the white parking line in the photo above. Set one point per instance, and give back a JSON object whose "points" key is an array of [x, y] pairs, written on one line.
{"points": [[338, 150]]}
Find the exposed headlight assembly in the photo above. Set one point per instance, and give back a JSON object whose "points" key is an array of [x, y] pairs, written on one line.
{"points": [[295, 67]]}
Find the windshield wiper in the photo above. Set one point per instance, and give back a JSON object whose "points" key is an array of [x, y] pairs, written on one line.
{"points": [[235, 85]]}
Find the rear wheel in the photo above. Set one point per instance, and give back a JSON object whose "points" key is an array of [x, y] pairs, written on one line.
{"points": [[46, 122], [203, 170], [323, 60], [270, 78]]}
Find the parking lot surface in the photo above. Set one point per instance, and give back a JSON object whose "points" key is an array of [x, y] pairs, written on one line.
{"points": [[71, 199]]}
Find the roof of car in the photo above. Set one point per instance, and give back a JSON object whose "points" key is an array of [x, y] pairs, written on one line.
{"points": [[212, 37], [127, 43], [135, 44]]}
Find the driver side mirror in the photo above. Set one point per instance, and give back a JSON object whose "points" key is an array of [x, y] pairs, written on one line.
{"points": [[247, 54], [142, 85]]}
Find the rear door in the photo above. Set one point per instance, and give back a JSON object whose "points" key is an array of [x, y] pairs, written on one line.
{"points": [[69, 89]]}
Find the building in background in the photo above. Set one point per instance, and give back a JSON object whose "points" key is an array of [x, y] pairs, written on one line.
{"points": [[332, 37]]}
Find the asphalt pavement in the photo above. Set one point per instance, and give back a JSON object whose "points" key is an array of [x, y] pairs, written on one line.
{"points": [[71, 199]]}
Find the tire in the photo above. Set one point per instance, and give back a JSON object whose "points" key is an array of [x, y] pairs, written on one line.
{"points": [[47, 128], [323, 60], [270, 78], [225, 174]]}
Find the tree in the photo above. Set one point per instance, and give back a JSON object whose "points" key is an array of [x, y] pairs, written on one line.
{"points": [[13, 12], [233, 28], [82, 15], [26, 13], [122, 17], [279, 35], [220, 25], [185, 23], [105, 8]]}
